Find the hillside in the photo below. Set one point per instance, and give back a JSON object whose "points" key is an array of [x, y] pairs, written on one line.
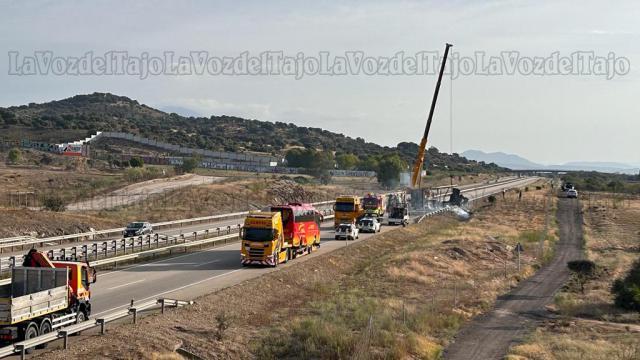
{"points": [[108, 112]]}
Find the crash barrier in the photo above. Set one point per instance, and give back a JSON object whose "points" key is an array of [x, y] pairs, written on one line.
{"points": [[63, 332], [114, 248], [117, 250], [14, 243]]}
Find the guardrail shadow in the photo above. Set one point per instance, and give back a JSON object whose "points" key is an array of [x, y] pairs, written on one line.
{"points": [[210, 260]]}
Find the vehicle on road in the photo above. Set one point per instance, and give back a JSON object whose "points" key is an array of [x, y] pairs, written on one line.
{"points": [[137, 228], [369, 225], [347, 210], [456, 198], [44, 295], [373, 205], [572, 193], [347, 232], [567, 186], [263, 239], [399, 215], [301, 225]]}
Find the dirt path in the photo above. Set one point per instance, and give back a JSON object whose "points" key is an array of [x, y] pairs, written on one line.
{"points": [[490, 336], [140, 191]]}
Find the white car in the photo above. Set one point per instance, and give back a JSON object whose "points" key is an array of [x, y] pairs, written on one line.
{"points": [[347, 232], [572, 193], [369, 225]]}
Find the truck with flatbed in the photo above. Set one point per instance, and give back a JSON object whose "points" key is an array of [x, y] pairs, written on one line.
{"points": [[44, 295]]}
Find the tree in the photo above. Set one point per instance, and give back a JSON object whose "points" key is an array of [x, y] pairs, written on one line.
{"points": [[583, 271], [627, 290], [389, 169], [370, 163], [136, 162], [347, 161], [320, 165], [188, 165], [54, 203], [14, 156]]}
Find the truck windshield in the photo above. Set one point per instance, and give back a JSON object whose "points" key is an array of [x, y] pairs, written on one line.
{"points": [[253, 234], [370, 203], [344, 206], [397, 213]]}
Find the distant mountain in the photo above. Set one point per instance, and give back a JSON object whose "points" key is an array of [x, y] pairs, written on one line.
{"points": [[601, 166], [516, 162], [510, 161]]}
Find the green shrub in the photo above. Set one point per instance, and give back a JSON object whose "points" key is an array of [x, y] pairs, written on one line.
{"points": [[136, 162], [627, 290], [583, 271], [54, 203], [14, 156]]}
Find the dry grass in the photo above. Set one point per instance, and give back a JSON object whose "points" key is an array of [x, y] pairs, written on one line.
{"points": [[399, 295], [228, 196], [612, 236]]}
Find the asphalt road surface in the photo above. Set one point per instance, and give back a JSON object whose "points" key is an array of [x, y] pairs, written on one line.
{"points": [[193, 274], [491, 335]]}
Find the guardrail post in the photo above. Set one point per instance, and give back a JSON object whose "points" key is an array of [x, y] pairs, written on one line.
{"points": [[195, 235], [63, 254], [162, 306], [74, 253], [95, 251], [12, 261], [218, 230], [65, 335], [228, 229], [135, 315], [23, 352], [102, 324]]}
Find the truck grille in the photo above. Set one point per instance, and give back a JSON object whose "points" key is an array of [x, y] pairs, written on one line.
{"points": [[256, 252]]}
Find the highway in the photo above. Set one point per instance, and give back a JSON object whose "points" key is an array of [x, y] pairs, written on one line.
{"points": [[189, 275]]}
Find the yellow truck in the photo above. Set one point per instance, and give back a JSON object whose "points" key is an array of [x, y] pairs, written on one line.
{"points": [[347, 210], [263, 239]]}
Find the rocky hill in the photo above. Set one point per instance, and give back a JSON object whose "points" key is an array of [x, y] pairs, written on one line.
{"points": [[108, 112]]}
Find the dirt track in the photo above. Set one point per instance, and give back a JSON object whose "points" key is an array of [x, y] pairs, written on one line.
{"points": [[490, 336], [140, 191]]}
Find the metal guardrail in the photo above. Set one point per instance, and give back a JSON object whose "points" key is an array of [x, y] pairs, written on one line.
{"points": [[101, 252], [64, 332], [22, 241]]}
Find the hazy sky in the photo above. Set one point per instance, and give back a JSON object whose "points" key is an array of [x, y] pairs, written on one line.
{"points": [[544, 116]]}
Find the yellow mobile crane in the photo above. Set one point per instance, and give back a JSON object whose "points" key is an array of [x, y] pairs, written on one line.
{"points": [[417, 166]]}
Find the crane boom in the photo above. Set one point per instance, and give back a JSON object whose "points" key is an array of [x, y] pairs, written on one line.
{"points": [[417, 166]]}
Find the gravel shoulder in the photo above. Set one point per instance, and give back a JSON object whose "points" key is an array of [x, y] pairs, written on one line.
{"points": [[514, 314]]}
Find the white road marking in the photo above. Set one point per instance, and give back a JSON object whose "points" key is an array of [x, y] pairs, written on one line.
{"points": [[168, 264], [169, 259], [207, 263], [127, 284], [170, 291]]}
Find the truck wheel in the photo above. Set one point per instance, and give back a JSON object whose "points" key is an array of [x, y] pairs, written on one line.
{"points": [[30, 332], [336, 237], [45, 328]]}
